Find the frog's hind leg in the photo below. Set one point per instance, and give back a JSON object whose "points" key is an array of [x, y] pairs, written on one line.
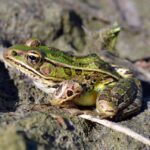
{"points": [[119, 98], [131, 109]]}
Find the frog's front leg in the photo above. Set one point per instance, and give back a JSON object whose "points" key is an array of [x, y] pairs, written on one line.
{"points": [[67, 91], [118, 96]]}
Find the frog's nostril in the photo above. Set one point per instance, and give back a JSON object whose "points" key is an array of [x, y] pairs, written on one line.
{"points": [[14, 53]]}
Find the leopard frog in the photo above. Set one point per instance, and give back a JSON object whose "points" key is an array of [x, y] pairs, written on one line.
{"points": [[80, 81]]}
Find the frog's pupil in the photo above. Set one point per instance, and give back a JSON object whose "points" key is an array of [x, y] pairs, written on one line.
{"points": [[32, 58]]}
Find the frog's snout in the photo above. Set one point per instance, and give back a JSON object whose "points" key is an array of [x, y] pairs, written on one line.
{"points": [[5, 54], [9, 53], [106, 108]]}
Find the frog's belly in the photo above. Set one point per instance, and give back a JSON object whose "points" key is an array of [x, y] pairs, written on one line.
{"points": [[87, 99]]}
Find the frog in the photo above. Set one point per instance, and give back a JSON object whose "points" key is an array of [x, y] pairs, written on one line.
{"points": [[82, 82]]}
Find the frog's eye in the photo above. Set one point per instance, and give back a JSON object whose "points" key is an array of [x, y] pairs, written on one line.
{"points": [[33, 57]]}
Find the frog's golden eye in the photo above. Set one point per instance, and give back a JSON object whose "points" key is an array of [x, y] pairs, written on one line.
{"points": [[33, 57]]}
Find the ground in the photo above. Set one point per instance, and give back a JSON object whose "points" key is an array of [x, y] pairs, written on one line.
{"points": [[55, 24]]}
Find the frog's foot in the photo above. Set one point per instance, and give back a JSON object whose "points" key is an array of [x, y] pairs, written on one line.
{"points": [[106, 108], [119, 98], [66, 92]]}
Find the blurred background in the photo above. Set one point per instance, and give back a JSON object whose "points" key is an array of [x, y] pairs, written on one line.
{"points": [[61, 24]]}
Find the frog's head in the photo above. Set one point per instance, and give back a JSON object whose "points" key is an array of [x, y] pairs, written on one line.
{"points": [[32, 60], [25, 56]]}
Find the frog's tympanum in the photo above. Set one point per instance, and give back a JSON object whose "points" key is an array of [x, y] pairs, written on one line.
{"points": [[85, 81]]}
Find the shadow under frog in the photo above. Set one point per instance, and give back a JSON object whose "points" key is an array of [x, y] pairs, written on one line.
{"points": [[8, 91]]}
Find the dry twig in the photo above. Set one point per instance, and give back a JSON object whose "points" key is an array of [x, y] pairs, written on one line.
{"points": [[118, 128]]}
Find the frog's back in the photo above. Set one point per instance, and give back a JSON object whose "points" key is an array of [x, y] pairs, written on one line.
{"points": [[89, 62]]}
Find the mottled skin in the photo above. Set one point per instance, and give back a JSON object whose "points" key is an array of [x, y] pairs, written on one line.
{"points": [[79, 81]]}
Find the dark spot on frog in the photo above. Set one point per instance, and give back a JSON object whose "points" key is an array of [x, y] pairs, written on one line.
{"points": [[68, 71], [78, 71], [58, 89], [85, 87], [94, 81], [55, 86], [87, 77], [69, 93]]}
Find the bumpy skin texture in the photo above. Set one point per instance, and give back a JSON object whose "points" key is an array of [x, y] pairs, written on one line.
{"points": [[78, 81]]}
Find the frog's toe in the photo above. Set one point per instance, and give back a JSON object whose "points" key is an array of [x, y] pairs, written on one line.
{"points": [[106, 108]]}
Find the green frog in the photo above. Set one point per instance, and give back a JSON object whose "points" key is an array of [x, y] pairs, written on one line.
{"points": [[79, 81]]}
